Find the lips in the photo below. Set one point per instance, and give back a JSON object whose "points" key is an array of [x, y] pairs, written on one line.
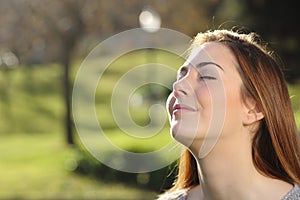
{"points": [[182, 108]]}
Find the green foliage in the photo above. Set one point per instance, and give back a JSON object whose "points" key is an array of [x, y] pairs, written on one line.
{"points": [[294, 90], [31, 100], [158, 180]]}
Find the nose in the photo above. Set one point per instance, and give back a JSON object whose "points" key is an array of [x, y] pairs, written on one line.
{"points": [[182, 87]]}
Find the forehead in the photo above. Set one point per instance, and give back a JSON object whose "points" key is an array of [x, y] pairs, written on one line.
{"points": [[212, 52]]}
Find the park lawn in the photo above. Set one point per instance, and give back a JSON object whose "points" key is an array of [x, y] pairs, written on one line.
{"points": [[35, 166]]}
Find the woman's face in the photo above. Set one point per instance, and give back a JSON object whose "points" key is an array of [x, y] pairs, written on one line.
{"points": [[206, 104]]}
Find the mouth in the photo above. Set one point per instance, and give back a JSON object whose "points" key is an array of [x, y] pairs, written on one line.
{"points": [[182, 108]]}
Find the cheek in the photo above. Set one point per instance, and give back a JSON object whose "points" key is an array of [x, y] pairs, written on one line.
{"points": [[207, 105], [233, 117], [203, 96], [213, 110]]}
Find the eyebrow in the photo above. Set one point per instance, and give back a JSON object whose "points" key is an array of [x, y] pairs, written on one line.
{"points": [[202, 64]]}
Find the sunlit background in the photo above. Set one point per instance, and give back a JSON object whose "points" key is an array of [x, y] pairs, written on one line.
{"points": [[42, 44]]}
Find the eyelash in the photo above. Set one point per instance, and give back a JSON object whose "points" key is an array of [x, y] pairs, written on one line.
{"points": [[207, 77]]}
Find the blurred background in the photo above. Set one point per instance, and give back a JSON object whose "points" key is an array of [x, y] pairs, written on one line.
{"points": [[42, 44]]}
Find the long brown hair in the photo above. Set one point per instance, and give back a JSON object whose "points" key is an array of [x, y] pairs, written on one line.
{"points": [[276, 145]]}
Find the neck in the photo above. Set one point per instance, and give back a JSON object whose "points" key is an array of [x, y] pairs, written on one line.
{"points": [[228, 172]]}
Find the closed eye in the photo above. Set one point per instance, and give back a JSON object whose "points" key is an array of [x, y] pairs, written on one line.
{"points": [[207, 77]]}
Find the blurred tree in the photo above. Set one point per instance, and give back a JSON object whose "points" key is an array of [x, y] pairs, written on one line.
{"points": [[63, 26], [43, 32], [278, 22], [189, 17], [40, 32]]}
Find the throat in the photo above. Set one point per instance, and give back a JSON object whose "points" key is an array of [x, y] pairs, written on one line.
{"points": [[225, 171]]}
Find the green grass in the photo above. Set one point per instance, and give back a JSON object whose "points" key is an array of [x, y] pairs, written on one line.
{"points": [[35, 167]]}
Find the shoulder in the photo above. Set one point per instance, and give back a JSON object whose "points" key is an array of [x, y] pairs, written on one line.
{"points": [[294, 194], [176, 195], [193, 192]]}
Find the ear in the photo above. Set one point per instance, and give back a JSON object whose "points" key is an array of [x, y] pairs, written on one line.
{"points": [[252, 113]]}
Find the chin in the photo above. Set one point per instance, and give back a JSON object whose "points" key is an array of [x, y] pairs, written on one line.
{"points": [[185, 137]]}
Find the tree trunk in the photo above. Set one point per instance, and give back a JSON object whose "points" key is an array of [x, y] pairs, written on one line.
{"points": [[67, 98]]}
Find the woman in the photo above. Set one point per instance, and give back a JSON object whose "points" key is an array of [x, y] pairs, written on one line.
{"points": [[231, 108]]}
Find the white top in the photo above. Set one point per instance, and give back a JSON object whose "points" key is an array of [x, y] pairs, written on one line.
{"points": [[293, 194]]}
